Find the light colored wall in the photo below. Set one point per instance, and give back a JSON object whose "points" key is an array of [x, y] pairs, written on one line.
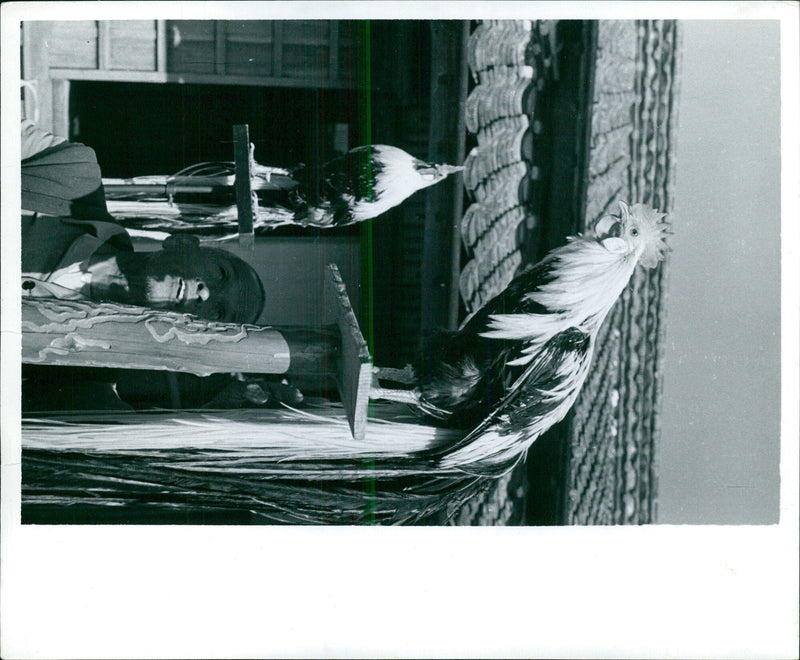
{"points": [[719, 452], [293, 272]]}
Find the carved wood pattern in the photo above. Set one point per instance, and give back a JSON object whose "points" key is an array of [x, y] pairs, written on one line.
{"points": [[83, 333]]}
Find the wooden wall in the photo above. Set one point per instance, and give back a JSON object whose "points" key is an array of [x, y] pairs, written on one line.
{"points": [[260, 53], [150, 50]]}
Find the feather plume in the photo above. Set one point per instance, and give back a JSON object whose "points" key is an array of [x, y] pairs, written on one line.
{"points": [[516, 366], [283, 466]]}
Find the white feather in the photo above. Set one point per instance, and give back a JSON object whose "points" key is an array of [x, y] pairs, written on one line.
{"points": [[587, 281], [398, 180], [267, 434]]}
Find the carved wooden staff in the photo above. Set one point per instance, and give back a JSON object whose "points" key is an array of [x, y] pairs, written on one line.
{"points": [[88, 334]]}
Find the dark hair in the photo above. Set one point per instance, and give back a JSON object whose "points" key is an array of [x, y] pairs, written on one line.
{"points": [[252, 295]]}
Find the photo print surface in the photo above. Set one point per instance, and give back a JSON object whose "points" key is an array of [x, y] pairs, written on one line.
{"points": [[419, 272]]}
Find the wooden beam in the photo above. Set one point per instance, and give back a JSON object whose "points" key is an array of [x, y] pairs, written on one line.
{"points": [[277, 48], [333, 50], [245, 202], [443, 203], [161, 46], [60, 108], [460, 91], [570, 123], [36, 69], [219, 47], [354, 366], [103, 45], [313, 80]]}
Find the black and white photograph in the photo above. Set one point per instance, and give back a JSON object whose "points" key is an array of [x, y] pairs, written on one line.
{"points": [[352, 269]]}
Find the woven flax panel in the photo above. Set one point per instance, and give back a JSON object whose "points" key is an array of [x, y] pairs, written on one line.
{"points": [[615, 424]]}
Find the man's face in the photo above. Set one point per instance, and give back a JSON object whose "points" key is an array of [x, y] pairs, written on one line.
{"points": [[186, 278]]}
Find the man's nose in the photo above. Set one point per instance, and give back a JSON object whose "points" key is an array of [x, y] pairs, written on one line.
{"points": [[197, 290]]}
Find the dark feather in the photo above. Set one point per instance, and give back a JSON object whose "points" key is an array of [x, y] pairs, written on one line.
{"points": [[92, 487], [326, 194], [463, 375], [525, 400], [355, 174]]}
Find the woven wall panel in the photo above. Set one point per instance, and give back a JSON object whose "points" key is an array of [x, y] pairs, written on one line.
{"points": [[510, 62], [615, 423], [500, 504]]}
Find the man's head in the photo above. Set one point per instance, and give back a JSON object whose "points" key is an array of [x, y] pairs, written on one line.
{"points": [[211, 283]]}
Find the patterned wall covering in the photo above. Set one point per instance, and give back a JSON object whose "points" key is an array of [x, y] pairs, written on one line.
{"points": [[614, 426], [510, 62]]}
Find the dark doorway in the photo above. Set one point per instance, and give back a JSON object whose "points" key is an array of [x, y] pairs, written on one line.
{"points": [[143, 128]]}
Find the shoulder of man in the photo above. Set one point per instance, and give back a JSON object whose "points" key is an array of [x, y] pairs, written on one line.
{"points": [[60, 178], [35, 140]]}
